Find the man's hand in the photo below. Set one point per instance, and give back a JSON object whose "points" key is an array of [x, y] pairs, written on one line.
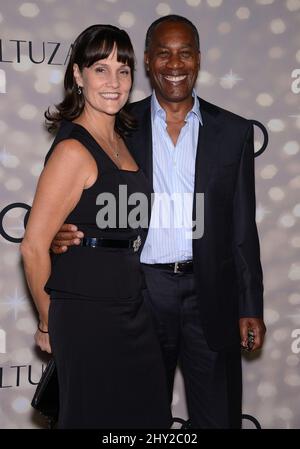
{"points": [[68, 235], [258, 328]]}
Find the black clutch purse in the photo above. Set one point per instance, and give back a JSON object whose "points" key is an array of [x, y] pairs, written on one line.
{"points": [[46, 396]]}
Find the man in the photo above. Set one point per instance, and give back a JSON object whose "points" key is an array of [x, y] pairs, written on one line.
{"points": [[206, 293]]}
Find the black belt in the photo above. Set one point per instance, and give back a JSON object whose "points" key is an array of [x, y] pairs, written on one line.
{"points": [[176, 267], [95, 242]]}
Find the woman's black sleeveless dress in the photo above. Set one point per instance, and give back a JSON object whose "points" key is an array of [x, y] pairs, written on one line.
{"points": [[108, 358]]}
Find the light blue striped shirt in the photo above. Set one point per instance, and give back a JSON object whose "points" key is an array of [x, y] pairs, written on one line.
{"points": [[173, 184]]}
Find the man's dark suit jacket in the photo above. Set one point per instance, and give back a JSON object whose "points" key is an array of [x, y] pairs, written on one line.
{"points": [[226, 259]]}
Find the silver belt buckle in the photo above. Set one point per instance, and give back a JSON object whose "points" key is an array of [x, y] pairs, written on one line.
{"points": [[176, 267], [137, 243]]}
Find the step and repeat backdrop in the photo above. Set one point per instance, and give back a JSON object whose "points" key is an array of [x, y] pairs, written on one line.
{"points": [[251, 66]]}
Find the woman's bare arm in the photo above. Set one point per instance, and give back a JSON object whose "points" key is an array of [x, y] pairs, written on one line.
{"points": [[68, 171]]}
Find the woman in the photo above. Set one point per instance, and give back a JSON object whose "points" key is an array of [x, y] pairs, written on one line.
{"points": [[108, 359]]}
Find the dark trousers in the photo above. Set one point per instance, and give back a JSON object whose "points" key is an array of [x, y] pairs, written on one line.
{"points": [[213, 380]]}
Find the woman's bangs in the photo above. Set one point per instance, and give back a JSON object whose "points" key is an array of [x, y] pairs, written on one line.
{"points": [[95, 52]]}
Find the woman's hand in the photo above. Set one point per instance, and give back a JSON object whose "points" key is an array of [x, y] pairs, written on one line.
{"points": [[42, 340]]}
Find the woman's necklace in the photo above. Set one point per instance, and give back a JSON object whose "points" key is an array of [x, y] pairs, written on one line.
{"points": [[114, 148]]}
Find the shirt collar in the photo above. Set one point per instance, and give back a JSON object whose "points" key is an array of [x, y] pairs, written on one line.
{"points": [[157, 110]]}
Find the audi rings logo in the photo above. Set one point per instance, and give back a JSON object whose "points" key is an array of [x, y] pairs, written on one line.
{"points": [[186, 424], [4, 211], [265, 135], [254, 422]]}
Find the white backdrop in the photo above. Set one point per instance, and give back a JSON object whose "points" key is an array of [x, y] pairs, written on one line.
{"points": [[250, 65]]}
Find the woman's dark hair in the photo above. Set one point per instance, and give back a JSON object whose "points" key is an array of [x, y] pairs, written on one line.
{"points": [[94, 43]]}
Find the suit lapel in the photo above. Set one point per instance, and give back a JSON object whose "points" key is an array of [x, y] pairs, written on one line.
{"points": [[146, 142], [207, 149], [139, 141]]}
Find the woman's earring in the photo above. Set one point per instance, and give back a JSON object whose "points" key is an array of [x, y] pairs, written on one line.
{"points": [[79, 90]]}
